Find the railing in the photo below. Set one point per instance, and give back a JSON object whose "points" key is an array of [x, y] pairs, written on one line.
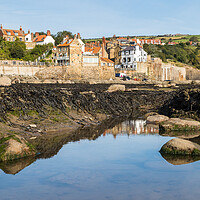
{"points": [[63, 58], [22, 63]]}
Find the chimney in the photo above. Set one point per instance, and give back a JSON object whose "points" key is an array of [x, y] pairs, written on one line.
{"points": [[36, 34], [67, 37], [1, 26], [75, 37], [48, 33], [29, 31], [103, 46], [78, 36], [32, 36], [20, 28]]}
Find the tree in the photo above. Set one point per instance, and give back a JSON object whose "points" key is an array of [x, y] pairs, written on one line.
{"points": [[58, 37], [18, 49], [194, 39]]}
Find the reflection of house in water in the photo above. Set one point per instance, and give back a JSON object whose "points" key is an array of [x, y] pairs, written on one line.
{"points": [[133, 127]]}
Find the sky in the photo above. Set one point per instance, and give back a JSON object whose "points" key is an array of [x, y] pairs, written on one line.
{"points": [[97, 18]]}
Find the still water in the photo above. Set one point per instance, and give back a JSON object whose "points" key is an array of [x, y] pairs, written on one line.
{"points": [[123, 163]]}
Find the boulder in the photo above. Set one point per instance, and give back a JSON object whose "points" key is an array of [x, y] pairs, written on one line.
{"points": [[179, 146], [157, 118], [116, 87], [5, 81], [14, 147], [176, 124]]}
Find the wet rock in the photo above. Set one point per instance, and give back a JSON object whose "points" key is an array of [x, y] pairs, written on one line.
{"points": [[179, 146], [5, 81], [157, 118], [176, 124], [15, 147], [116, 87]]}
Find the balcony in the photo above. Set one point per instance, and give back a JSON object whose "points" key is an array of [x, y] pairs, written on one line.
{"points": [[62, 58]]}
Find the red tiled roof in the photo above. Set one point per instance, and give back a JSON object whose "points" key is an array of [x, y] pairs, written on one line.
{"points": [[94, 50], [66, 43], [106, 60], [40, 38], [12, 32]]}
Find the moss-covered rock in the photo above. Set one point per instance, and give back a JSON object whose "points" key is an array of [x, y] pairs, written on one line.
{"points": [[179, 146], [176, 124], [15, 147]]}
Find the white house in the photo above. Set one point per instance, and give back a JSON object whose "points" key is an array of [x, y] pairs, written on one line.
{"points": [[131, 55], [44, 39]]}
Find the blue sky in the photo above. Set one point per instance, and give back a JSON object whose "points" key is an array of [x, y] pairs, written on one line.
{"points": [[97, 18]]}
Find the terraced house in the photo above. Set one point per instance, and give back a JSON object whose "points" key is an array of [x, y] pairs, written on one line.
{"points": [[11, 35], [69, 52]]}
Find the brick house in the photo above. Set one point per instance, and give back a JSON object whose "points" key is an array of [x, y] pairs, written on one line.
{"points": [[11, 35]]}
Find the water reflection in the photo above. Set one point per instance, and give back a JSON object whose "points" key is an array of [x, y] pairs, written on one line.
{"points": [[132, 127], [180, 159], [100, 167], [14, 167]]}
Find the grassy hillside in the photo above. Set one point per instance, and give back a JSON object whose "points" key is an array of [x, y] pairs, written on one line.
{"points": [[176, 53]]}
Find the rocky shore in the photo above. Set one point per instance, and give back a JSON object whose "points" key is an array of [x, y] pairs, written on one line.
{"points": [[43, 117]]}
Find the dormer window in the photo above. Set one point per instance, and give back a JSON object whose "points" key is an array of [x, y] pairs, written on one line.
{"points": [[16, 33], [9, 33]]}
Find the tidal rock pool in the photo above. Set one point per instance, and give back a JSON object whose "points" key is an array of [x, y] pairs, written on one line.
{"points": [[123, 163]]}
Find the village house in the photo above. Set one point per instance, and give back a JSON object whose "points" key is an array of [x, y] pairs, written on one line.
{"points": [[131, 55], [29, 40], [11, 35], [151, 41], [43, 39], [69, 52]]}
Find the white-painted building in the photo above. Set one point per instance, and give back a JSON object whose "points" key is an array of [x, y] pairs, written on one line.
{"points": [[44, 39], [131, 55]]}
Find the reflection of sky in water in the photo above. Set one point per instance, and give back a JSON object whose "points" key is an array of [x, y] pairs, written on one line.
{"points": [[128, 167]]}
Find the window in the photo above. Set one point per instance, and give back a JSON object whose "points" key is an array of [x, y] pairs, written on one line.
{"points": [[129, 59], [124, 59], [8, 39], [26, 39], [13, 39], [16, 33], [134, 59], [20, 39], [9, 33]]}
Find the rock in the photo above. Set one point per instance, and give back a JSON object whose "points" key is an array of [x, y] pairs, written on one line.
{"points": [[157, 118], [150, 114], [5, 81], [15, 147], [50, 81], [180, 147], [176, 124], [33, 138], [116, 87], [33, 125]]}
